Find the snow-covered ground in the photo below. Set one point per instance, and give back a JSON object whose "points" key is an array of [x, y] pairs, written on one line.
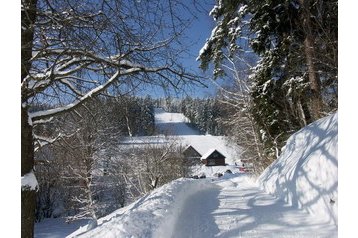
{"points": [[306, 174], [173, 126], [236, 207], [172, 123], [300, 199], [57, 227], [230, 206]]}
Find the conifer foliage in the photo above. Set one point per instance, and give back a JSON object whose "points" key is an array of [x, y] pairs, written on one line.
{"points": [[294, 82]]}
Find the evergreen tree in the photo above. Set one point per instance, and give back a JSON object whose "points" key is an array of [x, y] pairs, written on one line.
{"points": [[291, 84]]}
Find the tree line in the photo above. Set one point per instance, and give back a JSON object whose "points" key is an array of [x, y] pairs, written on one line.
{"points": [[203, 113]]}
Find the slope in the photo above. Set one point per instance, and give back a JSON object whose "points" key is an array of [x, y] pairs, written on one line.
{"points": [[230, 206], [306, 174], [172, 123]]}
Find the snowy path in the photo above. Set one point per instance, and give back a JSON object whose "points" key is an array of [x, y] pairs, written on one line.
{"points": [[238, 208], [196, 220]]}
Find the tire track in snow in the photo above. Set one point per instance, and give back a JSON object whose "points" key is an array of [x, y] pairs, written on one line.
{"points": [[195, 219]]}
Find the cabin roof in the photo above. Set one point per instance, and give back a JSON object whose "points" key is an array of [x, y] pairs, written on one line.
{"points": [[209, 152]]}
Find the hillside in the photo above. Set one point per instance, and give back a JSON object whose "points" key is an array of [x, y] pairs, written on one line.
{"points": [[303, 200]]}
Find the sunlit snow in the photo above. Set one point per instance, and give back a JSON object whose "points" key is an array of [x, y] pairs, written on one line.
{"points": [[300, 199]]}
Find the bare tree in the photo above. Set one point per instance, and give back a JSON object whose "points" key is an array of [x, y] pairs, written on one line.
{"points": [[75, 167], [75, 50], [162, 164], [148, 164], [239, 121]]}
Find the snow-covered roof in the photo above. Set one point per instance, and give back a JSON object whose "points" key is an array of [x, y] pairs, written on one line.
{"points": [[207, 154], [190, 146]]}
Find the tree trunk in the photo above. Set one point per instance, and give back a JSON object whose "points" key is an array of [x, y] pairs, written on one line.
{"points": [[315, 84], [301, 113], [28, 205], [28, 197]]}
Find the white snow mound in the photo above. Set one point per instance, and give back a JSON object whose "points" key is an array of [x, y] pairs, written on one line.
{"points": [[143, 217], [306, 173]]}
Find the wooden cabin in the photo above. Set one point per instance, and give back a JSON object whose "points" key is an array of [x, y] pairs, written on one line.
{"points": [[213, 158], [191, 155]]}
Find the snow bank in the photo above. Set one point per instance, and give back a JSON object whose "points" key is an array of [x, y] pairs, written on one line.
{"points": [[29, 182], [212, 171], [306, 173], [151, 216]]}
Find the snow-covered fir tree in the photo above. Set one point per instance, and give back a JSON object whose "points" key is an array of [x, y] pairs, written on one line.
{"points": [[293, 82]]}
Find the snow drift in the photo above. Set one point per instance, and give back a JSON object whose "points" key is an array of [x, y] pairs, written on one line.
{"points": [[150, 216], [306, 173]]}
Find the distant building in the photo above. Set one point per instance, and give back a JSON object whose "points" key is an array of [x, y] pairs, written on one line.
{"points": [[213, 158], [191, 155]]}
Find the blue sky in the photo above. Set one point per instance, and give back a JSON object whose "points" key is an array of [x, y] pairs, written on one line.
{"points": [[199, 31], [196, 35]]}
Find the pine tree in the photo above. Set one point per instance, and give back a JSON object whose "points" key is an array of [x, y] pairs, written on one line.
{"points": [[287, 83]]}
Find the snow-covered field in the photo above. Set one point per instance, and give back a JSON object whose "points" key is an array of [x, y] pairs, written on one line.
{"points": [[300, 199], [172, 123]]}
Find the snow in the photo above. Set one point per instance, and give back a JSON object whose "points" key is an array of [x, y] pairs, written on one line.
{"points": [[242, 9], [230, 206], [212, 171], [29, 182], [306, 174], [206, 46], [265, 85], [235, 207], [204, 143], [143, 217], [214, 12], [56, 228], [173, 126], [292, 198], [172, 123], [209, 152]]}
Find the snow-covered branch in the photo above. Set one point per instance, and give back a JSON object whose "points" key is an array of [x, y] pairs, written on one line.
{"points": [[41, 141], [51, 112]]}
